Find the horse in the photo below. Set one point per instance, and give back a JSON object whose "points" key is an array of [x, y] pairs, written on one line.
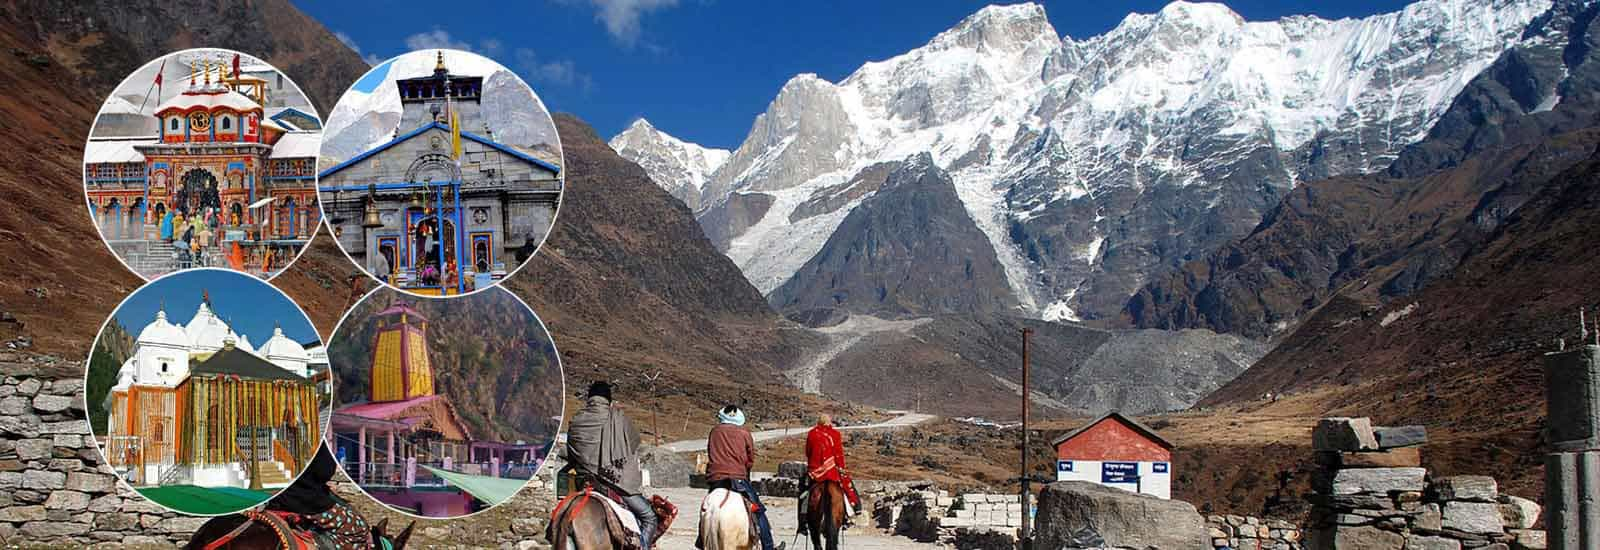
{"points": [[825, 514], [725, 521], [581, 525], [582, 522], [254, 530]]}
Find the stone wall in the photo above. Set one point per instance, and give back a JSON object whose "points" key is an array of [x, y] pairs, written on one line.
{"points": [[924, 513], [1244, 532], [54, 489], [1372, 495]]}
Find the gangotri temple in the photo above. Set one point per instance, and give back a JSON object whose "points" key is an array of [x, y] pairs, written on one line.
{"points": [[190, 397]]}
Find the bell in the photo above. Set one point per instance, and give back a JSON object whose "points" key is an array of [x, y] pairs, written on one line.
{"points": [[369, 218], [416, 200]]}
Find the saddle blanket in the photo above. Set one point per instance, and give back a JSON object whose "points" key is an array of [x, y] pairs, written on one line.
{"points": [[628, 521]]}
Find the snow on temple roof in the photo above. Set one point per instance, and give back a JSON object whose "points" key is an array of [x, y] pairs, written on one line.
{"points": [[106, 151], [210, 100], [297, 145]]}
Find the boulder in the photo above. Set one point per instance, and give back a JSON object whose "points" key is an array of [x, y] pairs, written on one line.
{"points": [[1392, 437], [1529, 539], [1344, 434], [1355, 538], [1404, 457], [1518, 512], [792, 469], [1077, 514], [1481, 518], [667, 469], [1469, 488], [1423, 542], [1378, 480]]}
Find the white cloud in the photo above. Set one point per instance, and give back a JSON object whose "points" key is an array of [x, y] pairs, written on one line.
{"points": [[562, 72], [435, 39], [370, 58], [621, 17]]}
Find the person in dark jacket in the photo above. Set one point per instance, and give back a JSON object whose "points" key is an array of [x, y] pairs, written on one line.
{"points": [[603, 446], [313, 500], [731, 452]]}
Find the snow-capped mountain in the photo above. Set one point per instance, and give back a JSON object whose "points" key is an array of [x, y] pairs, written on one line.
{"points": [[679, 167], [1092, 164], [368, 114]]}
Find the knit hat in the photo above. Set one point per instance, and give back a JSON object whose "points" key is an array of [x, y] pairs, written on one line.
{"points": [[731, 415]]}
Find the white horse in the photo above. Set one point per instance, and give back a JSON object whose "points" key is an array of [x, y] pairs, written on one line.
{"points": [[724, 521]]}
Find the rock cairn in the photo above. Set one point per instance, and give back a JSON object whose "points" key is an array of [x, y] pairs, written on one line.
{"points": [[1372, 492], [54, 489], [1245, 532]]}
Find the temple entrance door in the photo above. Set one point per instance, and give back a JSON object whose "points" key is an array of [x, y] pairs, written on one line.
{"points": [[197, 189], [237, 211]]}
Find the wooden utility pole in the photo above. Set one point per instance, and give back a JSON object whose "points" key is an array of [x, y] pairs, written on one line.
{"points": [[655, 405], [1026, 537]]}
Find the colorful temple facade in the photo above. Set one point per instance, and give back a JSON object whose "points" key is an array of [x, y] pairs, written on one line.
{"points": [[195, 403], [223, 153], [407, 445], [441, 208]]}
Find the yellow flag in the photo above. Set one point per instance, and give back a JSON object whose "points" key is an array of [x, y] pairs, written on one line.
{"points": [[455, 136]]}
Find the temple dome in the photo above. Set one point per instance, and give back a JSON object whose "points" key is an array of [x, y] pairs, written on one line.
{"points": [[284, 352], [206, 331], [163, 333]]}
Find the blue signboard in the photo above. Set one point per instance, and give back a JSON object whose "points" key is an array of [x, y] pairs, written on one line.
{"points": [[1119, 472], [1159, 467], [1063, 465]]}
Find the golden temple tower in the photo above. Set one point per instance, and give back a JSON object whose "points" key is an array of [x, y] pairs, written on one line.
{"points": [[400, 368]]}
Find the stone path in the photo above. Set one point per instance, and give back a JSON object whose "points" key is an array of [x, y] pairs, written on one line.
{"points": [[906, 419], [783, 514]]}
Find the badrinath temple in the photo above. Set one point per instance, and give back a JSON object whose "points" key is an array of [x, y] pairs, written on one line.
{"points": [[221, 174]]}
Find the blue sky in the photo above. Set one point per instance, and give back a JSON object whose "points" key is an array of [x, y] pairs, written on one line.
{"points": [[702, 69], [248, 303]]}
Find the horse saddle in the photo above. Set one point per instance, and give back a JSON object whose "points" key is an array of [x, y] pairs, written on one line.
{"points": [[620, 523]]}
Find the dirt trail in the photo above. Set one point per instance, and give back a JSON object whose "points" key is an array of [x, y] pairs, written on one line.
{"points": [[808, 376], [783, 514]]}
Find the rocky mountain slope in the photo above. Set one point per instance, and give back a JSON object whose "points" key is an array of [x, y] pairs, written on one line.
{"points": [[1093, 165], [908, 250], [1388, 235], [680, 167], [64, 57]]}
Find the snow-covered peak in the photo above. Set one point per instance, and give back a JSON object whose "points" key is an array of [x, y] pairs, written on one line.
{"points": [[999, 28], [679, 167]]}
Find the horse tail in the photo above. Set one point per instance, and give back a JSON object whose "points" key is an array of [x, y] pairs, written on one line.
{"points": [[710, 537]]}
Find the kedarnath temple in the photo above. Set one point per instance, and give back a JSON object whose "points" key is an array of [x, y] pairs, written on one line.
{"points": [[227, 179], [441, 209], [195, 402], [407, 446]]}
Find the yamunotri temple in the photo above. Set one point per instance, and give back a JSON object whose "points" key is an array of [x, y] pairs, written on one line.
{"points": [[435, 214], [407, 445], [228, 166], [189, 398]]}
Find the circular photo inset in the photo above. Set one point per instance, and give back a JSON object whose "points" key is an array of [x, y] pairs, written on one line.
{"points": [[207, 391], [204, 158], [445, 407], [441, 173]]}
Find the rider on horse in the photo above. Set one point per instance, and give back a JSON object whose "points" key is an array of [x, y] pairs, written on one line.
{"points": [[603, 446], [825, 462], [731, 452]]}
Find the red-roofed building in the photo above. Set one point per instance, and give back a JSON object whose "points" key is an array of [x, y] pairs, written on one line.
{"points": [[1116, 451]]}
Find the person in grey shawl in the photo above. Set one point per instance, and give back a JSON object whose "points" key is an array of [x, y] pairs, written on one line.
{"points": [[603, 446]]}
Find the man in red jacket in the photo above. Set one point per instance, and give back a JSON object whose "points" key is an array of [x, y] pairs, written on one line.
{"points": [[825, 462]]}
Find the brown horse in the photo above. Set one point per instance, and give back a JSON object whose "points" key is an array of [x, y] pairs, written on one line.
{"points": [[580, 524], [825, 514], [241, 532], [582, 521]]}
